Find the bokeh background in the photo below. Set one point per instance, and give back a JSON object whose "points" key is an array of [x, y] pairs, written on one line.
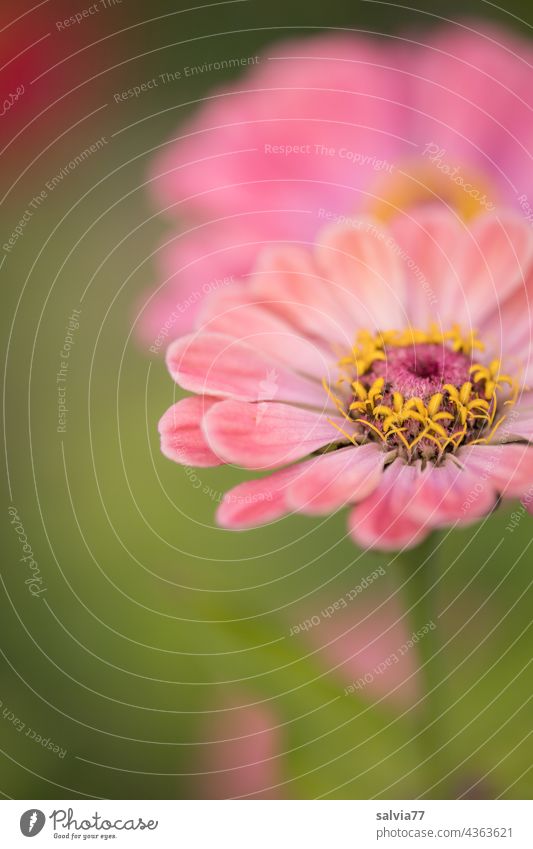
{"points": [[159, 662]]}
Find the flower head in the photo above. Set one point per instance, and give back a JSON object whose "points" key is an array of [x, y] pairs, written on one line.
{"points": [[412, 390], [325, 128], [384, 400]]}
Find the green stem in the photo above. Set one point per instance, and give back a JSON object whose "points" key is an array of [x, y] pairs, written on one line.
{"points": [[420, 584]]}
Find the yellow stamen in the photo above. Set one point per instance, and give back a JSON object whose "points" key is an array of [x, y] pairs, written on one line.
{"points": [[434, 403], [468, 409], [340, 429], [370, 347]]}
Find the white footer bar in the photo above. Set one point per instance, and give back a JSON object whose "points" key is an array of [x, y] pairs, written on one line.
{"points": [[268, 824]]}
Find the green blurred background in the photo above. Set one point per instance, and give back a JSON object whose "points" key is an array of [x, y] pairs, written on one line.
{"points": [[160, 657]]}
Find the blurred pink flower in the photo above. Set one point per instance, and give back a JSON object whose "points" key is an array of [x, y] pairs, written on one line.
{"points": [[372, 655], [324, 127], [242, 759], [418, 424]]}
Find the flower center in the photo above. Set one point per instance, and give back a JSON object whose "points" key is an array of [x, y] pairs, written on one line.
{"points": [[421, 393], [420, 370], [436, 180]]}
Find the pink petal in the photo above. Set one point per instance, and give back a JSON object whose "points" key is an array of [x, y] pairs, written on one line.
{"points": [[493, 263], [266, 435], [384, 520], [507, 332], [182, 439], [518, 423], [214, 364], [288, 280], [410, 502], [364, 273], [319, 485], [166, 315], [426, 241], [256, 502], [506, 468], [195, 264], [234, 313], [333, 480], [447, 494], [472, 92]]}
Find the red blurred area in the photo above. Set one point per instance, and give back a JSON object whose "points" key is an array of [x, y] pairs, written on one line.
{"points": [[52, 76]]}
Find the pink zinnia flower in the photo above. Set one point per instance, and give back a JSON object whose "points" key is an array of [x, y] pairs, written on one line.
{"points": [[324, 127], [385, 369]]}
